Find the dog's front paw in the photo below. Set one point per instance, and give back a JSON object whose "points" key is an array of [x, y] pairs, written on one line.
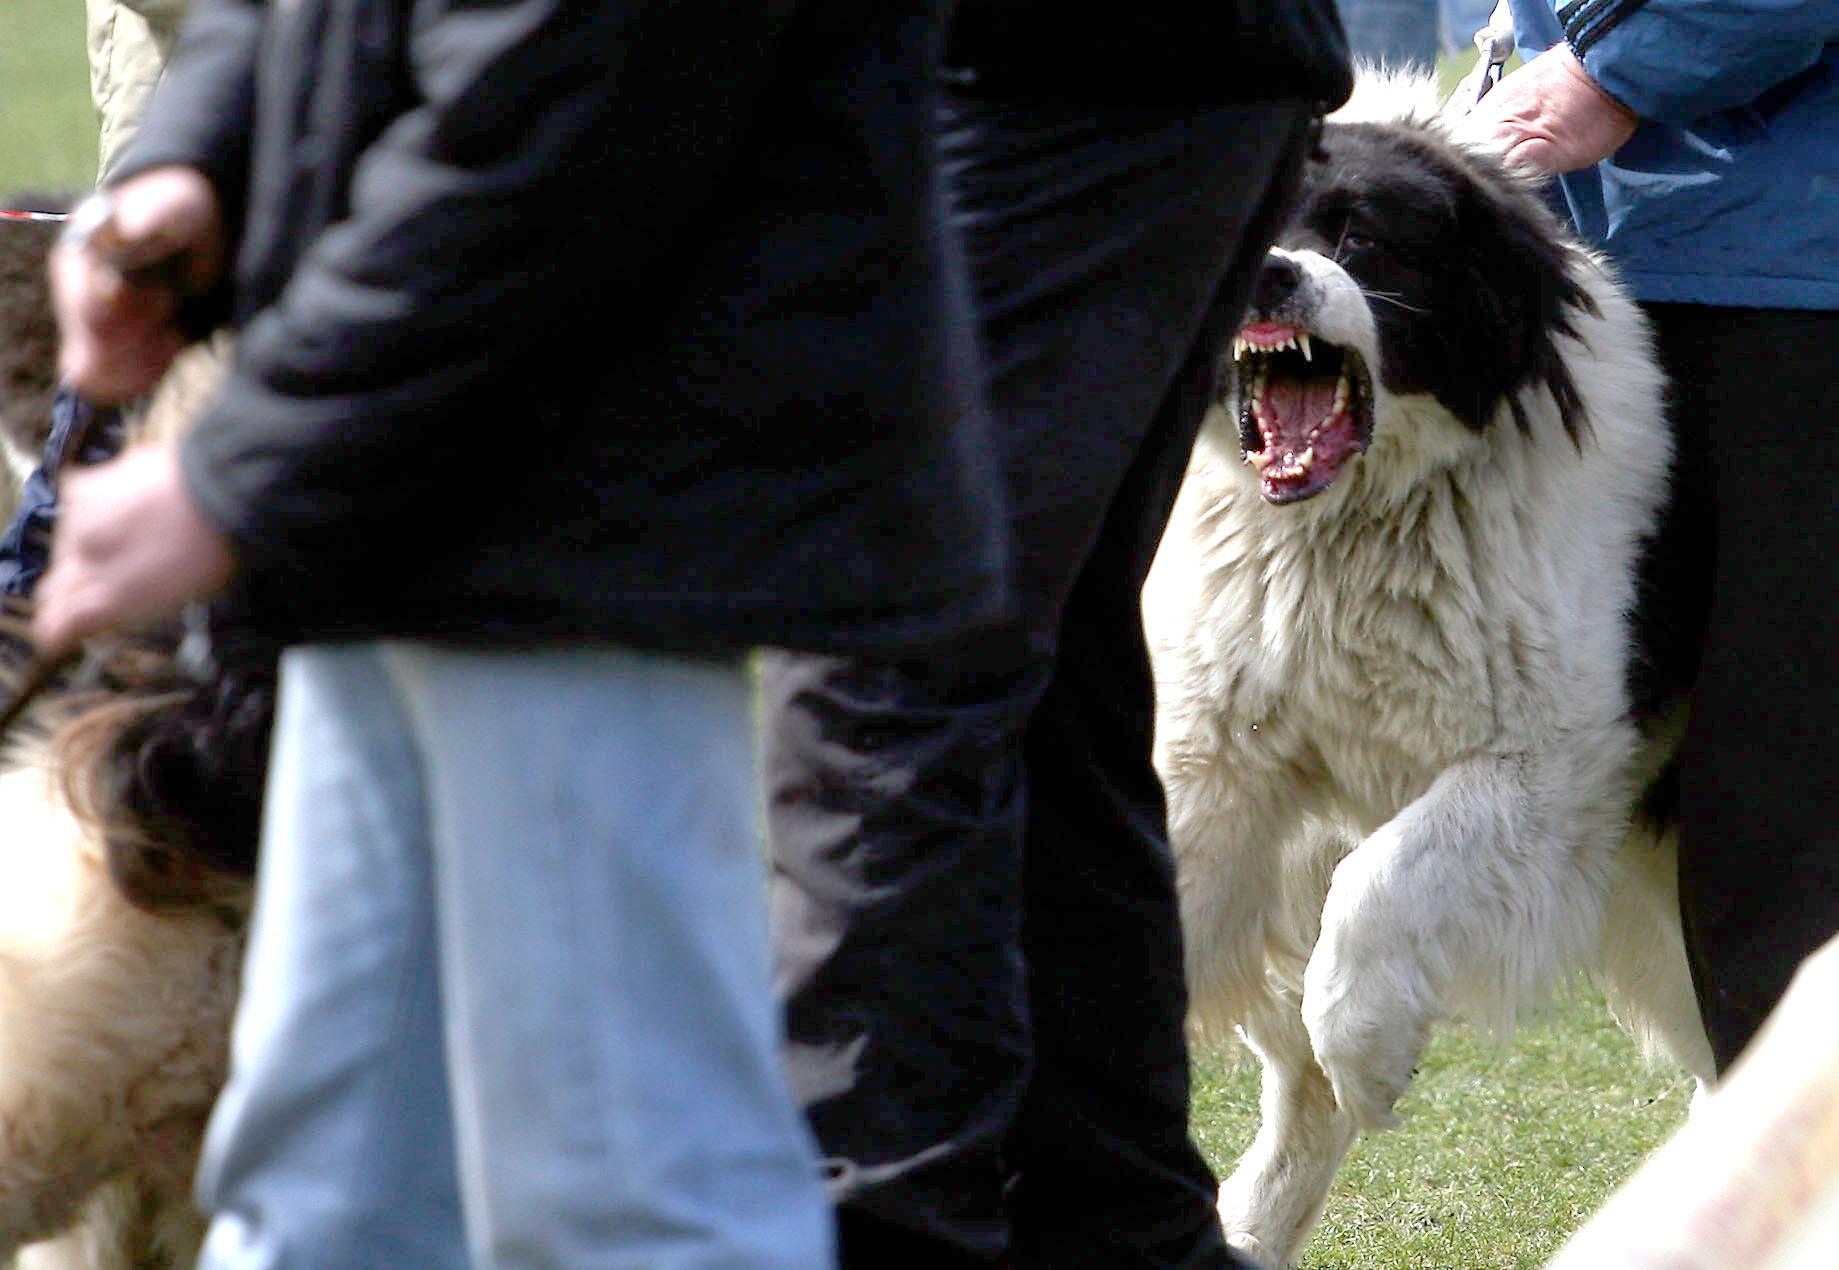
{"points": [[1247, 1222], [1368, 1007], [1251, 1248]]}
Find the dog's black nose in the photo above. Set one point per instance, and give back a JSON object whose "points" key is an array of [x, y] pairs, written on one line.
{"points": [[1277, 282]]}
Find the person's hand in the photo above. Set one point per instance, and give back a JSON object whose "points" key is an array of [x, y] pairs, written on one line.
{"points": [[130, 547], [1550, 116], [158, 238]]}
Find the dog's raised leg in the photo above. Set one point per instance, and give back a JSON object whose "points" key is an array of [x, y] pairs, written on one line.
{"points": [[1275, 1195], [1473, 901]]}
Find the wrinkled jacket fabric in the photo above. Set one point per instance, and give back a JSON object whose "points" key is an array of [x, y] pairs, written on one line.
{"points": [[1728, 193], [581, 320]]}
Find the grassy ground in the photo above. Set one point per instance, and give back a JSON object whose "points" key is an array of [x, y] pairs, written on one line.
{"points": [[1501, 1155], [47, 125]]}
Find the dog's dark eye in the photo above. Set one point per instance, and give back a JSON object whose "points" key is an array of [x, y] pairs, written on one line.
{"points": [[1352, 241]]}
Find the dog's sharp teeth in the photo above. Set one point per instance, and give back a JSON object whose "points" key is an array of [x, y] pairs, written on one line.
{"points": [[1306, 459], [1342, 390], [1302, 342], [1240, 347]]}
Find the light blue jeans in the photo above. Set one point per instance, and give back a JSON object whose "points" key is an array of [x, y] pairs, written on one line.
{"points": [[507, 998]]}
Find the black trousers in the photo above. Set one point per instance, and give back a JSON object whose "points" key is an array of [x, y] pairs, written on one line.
{"points": [[975, 913], [1755, 400]]}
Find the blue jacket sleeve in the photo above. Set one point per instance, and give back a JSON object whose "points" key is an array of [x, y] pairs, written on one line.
{"points": [[1679, 60]]}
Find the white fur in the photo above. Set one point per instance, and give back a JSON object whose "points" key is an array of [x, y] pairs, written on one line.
{"points": [[1393, 725]]}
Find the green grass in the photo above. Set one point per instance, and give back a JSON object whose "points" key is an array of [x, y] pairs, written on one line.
{"points": [[47, 124], [1500, 1156]]}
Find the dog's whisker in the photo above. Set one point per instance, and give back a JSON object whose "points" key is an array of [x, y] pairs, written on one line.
{"points": [[1393, 299]]}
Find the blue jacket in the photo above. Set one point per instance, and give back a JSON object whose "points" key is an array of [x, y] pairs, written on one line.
{"points": [[1728, 193]]}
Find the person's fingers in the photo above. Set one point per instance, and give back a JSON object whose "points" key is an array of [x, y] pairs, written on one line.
{"points": [[131, 257], [166, 214], [130, 547]]}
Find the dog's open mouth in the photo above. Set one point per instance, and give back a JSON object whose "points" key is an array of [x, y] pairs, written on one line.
{"points": [[1305, 407]]}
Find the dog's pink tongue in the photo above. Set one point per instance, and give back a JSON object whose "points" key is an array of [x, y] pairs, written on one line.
{"points": [[1293, 410], [1306, 437]]}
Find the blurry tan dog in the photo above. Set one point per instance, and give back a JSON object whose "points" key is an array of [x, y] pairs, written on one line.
{"points": [[129, 803]]}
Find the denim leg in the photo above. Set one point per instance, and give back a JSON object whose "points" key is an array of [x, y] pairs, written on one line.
{"points": [[330, 1145], [612, 1037]]}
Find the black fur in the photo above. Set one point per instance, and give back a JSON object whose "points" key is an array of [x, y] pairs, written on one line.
{"points": [[167, 759], [1426, 230]]}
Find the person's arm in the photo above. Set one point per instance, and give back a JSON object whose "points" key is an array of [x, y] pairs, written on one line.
{"points": [[1678, 60], [1670, 60], [556, 154], [1550, 116], [537, 197], [175, 195]]}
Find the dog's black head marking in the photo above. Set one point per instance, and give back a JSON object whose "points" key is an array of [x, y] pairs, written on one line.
{"points": [[1465, 274]]}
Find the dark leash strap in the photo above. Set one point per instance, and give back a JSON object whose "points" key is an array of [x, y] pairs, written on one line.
{"points": [[40, 670]]}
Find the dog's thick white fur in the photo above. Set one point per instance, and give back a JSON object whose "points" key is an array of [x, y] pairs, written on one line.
{"points": [[1395, 717], [114, 1026]]}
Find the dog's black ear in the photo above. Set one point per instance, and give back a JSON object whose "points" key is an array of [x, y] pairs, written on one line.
{"points": [[1525, 292], [192, 774]]}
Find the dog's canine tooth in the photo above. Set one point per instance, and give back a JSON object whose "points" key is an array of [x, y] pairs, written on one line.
{"points": [[1302, 343]]}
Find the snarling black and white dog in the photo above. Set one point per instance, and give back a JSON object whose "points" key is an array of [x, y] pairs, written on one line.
{"points": [[1417, 697]]}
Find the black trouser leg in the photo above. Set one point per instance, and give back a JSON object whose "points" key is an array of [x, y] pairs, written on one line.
{"points": [[1754, 395], [975, 911]]}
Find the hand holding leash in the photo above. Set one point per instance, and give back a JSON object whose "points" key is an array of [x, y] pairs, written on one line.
{"points": [[131, 548], [1495, 44], [128, 260], [1549, 116]]}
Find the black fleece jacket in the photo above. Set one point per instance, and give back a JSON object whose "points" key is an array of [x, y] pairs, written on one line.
{"points": [[565, 320]]}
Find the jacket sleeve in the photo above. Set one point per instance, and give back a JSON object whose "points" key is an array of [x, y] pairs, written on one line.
{"points": [[202, 114], [545, 161], [1680, 60]]}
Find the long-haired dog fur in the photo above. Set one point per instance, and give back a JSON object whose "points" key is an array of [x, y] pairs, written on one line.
{"points": [[1421, 664], [130, 796], [129, 800]]}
